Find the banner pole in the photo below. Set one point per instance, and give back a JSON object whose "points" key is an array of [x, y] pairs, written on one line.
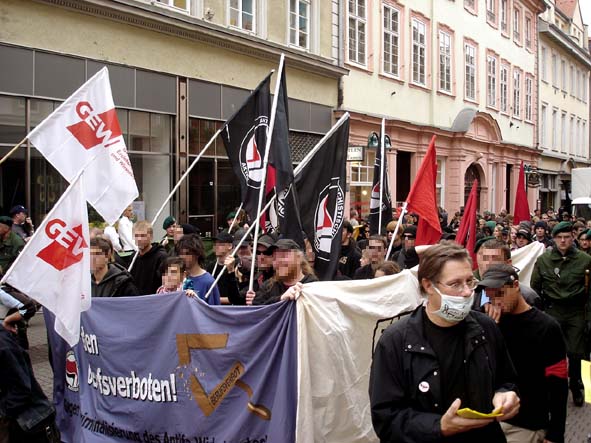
{"points": [[235, 217], [382, 161], [177, 186], [12, 150], [400, 221], [265, 163]]}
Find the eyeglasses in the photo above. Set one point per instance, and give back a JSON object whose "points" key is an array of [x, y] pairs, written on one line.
{"points": [[458, 286]]}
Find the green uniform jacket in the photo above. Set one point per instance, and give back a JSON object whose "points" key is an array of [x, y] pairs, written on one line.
{"points": [[9, 249], [561, 279]]}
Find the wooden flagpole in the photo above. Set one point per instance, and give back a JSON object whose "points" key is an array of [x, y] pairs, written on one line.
{"points": [[13, 150]]}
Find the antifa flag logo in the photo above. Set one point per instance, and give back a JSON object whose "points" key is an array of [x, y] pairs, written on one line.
{"points": [[328, 217], [72, 381], [251, 158], [374, 203], [96, 129], [277, 210], [67, 247]]}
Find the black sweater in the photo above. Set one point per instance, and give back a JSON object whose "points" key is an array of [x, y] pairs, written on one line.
{"points": [[146, 270]]}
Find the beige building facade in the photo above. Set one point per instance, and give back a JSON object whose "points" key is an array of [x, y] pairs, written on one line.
{"points": [[565, 64], [178, 69], [464, 71]]}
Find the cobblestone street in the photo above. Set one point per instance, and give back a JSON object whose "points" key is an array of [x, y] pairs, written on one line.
{"points": [[578, 426]]}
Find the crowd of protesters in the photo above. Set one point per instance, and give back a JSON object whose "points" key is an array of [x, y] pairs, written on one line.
{"points": [[542, 325]]}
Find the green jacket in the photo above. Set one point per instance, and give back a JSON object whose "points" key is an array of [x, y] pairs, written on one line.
{"points": [[9, 249], [562, 278]]}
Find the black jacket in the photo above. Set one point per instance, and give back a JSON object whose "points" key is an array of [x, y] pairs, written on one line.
{"points": [[349, 259], [403, 360], [272, 290], [146, 271], [116, 283]]}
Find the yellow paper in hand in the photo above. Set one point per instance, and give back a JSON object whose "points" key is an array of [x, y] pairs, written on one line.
{"points": [[470, 413], [586, 376]]}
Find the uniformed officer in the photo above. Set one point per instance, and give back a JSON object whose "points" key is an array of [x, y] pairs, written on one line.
{"points": [[561, 277]]}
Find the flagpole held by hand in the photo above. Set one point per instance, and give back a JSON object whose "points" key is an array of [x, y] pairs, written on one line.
{"points": [[400, 221], [382, 162], [265, 163], [3, 159]]}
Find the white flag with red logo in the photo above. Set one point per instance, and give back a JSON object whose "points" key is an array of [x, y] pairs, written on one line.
{"points": [[84, 133], [54, 266]]}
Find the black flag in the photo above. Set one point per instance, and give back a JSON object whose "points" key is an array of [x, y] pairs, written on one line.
{"points": [[284, 215], [245, 139], [374, 203], [323, 182]]}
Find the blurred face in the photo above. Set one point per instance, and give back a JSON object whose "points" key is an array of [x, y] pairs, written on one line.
{"points": [[143, 238], [171, 230], [345, 237], [584, 242], [98, 259], [177, 233], [188, 258], [563, 241], [310, 255], [545, 217], [222, 249], [245, 250], [550, 213], [128, 211], [506, 297], [513, 235], [173, 277], [20, 217], [488, 257], [409, 241], [264, 261], [286, 264], [540, 232], [589, 224], [498, 233], [4, 229], [578, 231], [482, 223], [376, 251]]}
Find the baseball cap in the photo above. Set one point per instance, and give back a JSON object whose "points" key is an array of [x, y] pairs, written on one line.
{"points": [[266, 240], [224, 237], [410, 231], [285, 244], [238, 236], [524, 233], [17, 210], [497, 276]]}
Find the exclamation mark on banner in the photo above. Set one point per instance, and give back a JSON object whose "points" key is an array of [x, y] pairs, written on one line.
{"points": [[173, 387]]}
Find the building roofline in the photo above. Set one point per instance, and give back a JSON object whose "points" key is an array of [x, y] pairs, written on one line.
{"points": [[163, 20], [558, 36]]}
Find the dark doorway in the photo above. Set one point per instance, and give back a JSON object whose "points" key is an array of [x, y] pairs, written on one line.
{"points": [[508, 173], [472, 174], [402, 175]]}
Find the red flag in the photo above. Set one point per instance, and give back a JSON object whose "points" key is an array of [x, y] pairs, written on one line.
{"points": [[422, 199], [521, 212], [466, 235]]}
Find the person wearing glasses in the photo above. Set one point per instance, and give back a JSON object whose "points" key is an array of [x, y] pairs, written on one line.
{"points": [[561, 277], [442, 358]]}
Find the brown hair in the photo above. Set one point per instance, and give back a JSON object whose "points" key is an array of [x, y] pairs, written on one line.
{"points": [[143, 224], [497, 244], [103, 244], [381, 238], [433, 259], [389, 268]]}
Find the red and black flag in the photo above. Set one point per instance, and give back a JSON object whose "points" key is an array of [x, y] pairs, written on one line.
{"points": [[283, 215], [374, 203], [245, 139], [323, 181]]}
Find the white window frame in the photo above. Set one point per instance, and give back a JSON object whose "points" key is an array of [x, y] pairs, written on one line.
{"points": [[554, 129], [554, 70], [528, 98], [445, 62], [297, 30], [517, 24], [170, 4], [503, 12], [563, 145], [491, 14], [419, 51], [528, 32], [470, 60], [544, 63], [572, 134], [563, 72], [504, 87], [517, 93], [360, 22], [572, 80], [491, 81], [240, 11], [441, 177], [391, 38], [543, 125]]}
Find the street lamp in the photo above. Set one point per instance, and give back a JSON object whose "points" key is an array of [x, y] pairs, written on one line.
{"points": [[373, 141]]}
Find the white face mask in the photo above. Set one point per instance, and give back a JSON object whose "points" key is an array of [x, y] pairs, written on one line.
{"points": [[454, 308]]}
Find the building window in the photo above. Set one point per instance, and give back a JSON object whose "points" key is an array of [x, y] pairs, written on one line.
{"points": [[444, 61], [528, 33], [585, 80], [391, 40], [242, 14], [470, 4], [554, 129], [528, 98], [554, 71], [517, 25], [577, 84], [299, 23], [517, 93], [440, 183], [577, 138], [491, 12], [357, 26], [584, 140], [572, 80], [504, 16], [543, 119], [491, 81], [504, 89], [572, 134], [563, 72], [183, 5], [563, 132], [470, 77], [544, 63], [419, 50]]}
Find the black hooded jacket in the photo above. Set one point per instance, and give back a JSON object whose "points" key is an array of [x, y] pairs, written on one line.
{"points": [[146, 271], [117, 282]]}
